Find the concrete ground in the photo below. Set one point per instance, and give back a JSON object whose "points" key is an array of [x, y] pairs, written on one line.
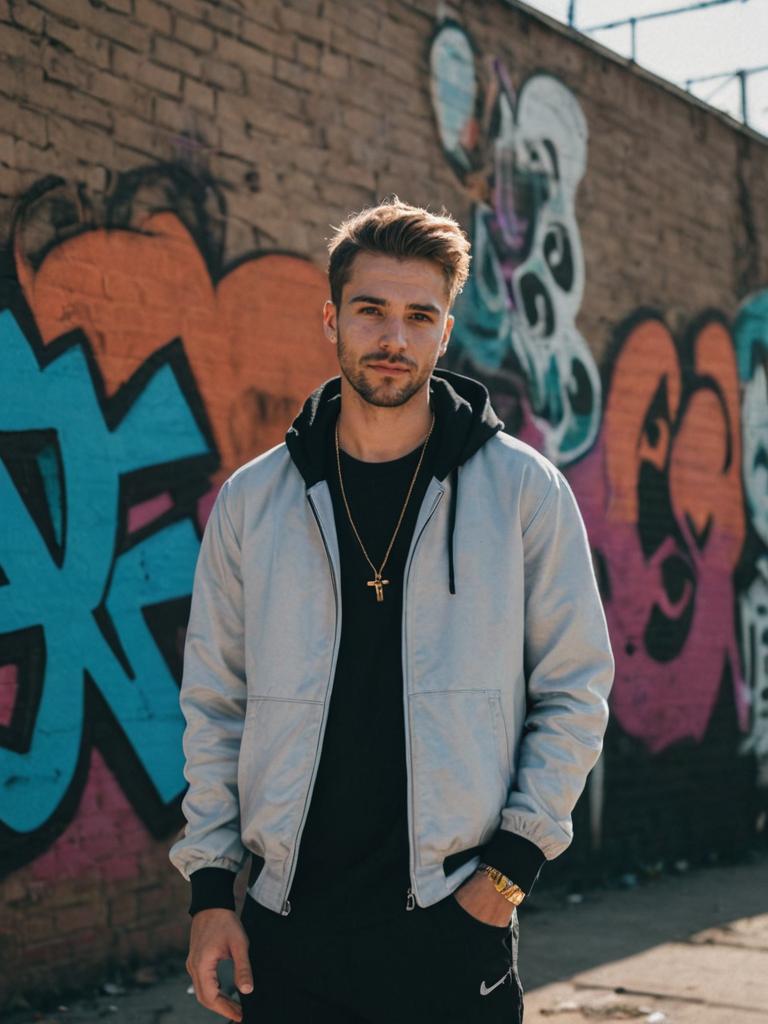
{"points": [[688, 949], [683, 949]]}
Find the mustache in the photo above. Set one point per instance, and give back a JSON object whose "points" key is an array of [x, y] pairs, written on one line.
{"points": [[385, 359]]}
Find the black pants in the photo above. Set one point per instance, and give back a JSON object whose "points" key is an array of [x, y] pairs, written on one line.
{"points": [[437, 964]]}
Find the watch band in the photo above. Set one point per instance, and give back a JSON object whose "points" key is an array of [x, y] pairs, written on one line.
{"points": [[508, 889]]}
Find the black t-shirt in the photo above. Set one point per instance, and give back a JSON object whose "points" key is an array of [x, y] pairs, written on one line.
{"points": [[354, 854]]}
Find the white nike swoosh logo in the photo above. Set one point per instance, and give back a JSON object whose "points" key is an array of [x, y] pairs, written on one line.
{"points": [[486, 989]]}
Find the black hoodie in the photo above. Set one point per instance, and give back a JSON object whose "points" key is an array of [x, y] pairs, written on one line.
{"points": [[354, 854], [461, 406]]}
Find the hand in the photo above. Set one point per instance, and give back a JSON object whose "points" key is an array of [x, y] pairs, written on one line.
{"points": [[218, 935], [480, 898]]}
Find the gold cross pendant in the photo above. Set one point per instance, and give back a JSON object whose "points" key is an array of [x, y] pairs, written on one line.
{"points": [[379, 583]]}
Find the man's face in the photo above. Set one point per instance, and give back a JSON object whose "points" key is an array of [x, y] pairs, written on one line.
{"points": [[391, 328]]}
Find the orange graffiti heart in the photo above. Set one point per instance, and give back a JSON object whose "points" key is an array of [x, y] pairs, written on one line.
{"points": [[253, 338]]}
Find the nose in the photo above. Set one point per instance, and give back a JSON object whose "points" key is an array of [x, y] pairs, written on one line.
{"points": [[393, 337]]}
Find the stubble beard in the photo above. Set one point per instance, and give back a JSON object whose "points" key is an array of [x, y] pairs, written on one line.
{"points": [[384, 395]]}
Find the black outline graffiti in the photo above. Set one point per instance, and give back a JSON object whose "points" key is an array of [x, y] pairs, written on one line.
{"points": [[189, 477], [199, 204], [656, 520]]}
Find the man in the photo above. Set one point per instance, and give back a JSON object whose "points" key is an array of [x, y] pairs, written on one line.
{"points": [[395, 673]]}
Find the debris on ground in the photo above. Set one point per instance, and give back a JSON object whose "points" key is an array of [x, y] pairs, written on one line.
{"points": [[605, 1006], [111, 988], [145, 976]]}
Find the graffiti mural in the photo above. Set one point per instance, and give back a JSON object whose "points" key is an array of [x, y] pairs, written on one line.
{"points": [[751, 338], [520, 156], [139, 371], [662, 497], [156, 271], [71, 609], [143, 366], [665, 448], [663, 501]]}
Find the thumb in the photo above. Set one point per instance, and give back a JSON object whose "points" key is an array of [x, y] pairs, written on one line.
{"points": [[242, 965]]}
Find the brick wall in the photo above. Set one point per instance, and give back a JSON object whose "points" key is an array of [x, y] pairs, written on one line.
{"points": [[169, 171]]}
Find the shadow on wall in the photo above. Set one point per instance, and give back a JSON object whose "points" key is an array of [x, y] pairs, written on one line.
{"points": [[139, 371]]}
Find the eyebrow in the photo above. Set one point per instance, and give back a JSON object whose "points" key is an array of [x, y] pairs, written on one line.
{"points": [[372, 300]]}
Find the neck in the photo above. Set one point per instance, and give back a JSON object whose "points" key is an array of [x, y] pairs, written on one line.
{"points": [[374, 433]]}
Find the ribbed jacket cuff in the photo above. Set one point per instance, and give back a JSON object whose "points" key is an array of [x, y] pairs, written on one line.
{"points": [[518, 858], [212, 888]]}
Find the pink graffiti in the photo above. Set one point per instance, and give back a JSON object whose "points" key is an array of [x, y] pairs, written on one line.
{"points": [[661, 495], [9, 682], [205, 504], [146, 512], [106, 839]]}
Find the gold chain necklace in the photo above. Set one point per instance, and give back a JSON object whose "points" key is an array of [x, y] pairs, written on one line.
{"points": [[377, 581]]}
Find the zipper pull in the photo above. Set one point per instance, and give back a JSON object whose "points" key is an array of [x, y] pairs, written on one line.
{"points": [[410, 900], [286, 909]]}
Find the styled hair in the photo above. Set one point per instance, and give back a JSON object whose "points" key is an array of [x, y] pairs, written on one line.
{"points": [[393, 228]]}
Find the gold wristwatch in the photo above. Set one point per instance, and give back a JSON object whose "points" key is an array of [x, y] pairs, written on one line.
{"points": [[508, 889]]}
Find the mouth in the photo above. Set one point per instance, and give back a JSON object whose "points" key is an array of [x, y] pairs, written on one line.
{"points": [[388, 368]]}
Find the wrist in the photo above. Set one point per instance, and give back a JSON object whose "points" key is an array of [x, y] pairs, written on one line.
{"points": [[478, 896], [212, 889], [519, 858]]}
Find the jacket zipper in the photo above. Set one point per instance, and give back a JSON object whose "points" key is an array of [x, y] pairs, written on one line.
{"points": [[410, 898], [286, 907]]}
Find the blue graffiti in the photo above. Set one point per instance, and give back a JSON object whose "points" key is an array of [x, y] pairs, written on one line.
{"points": [[750, 335], [59, 592], [483, 323]]}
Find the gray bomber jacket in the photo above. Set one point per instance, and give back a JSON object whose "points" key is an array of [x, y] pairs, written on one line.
{"points": [[506, 676]]}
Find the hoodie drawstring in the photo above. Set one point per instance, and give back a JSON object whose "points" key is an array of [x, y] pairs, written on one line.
{"points": [[452, 527]]}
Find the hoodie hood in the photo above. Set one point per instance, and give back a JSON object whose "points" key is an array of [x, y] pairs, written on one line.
{"points": [[462, 409], [464, 416]]}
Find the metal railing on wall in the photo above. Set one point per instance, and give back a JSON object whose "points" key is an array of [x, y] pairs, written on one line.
{"points": [[742, 75]]}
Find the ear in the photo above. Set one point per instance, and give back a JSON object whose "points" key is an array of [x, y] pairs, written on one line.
{"points": [[330, 322], [449, 322]]}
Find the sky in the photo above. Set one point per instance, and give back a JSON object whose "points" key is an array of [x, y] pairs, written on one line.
{"points": [[702, 42]]}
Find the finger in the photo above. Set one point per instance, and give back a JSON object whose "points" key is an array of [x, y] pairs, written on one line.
{"points": [[206, 983], [242, 965], [220, 1004], [195, 983], [227, 1008]]}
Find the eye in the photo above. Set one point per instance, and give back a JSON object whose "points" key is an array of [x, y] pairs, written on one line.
{"points": [[424, 317], [369, 309]]}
